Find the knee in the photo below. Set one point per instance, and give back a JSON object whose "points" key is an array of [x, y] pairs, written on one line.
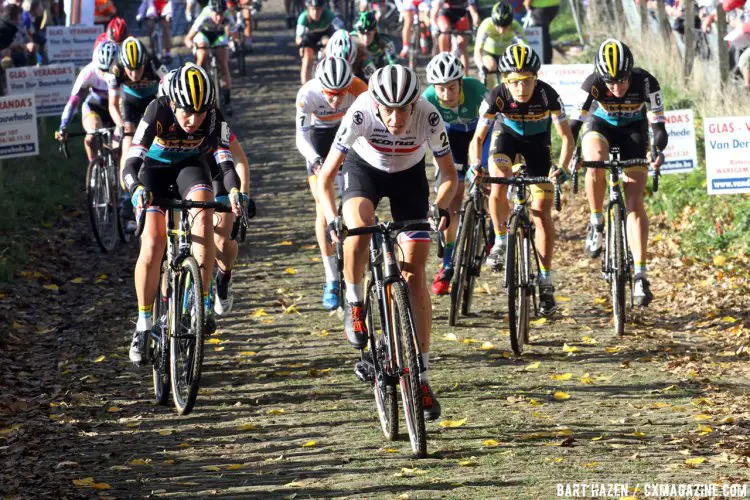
{"points": [[152, 248]]}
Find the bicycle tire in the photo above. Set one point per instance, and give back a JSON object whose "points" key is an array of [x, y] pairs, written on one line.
{"points": [[472, 269], [187, 336], [617, 268], [385, 392], [100, 194], [406, 355], [122, 222], [214, 75], [460, 266], [160, 349], [413, 48], [240, 52], [517, 285]]}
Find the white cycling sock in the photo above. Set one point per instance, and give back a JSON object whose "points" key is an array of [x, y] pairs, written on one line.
{"points": [[144, 323], [329, 264], [426, 362], [355, 292]]}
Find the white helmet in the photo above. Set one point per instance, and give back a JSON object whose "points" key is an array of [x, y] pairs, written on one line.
{"points": [[334, 73], [444, 67], [341, 45], [106, 55], [394, 86]]}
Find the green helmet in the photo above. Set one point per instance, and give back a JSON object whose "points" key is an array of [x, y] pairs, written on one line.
{"points": [[366, 22]]}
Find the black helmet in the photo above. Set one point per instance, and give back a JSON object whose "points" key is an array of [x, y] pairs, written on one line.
{"points": [[367, 21], [218, 6], [613, 61], [502, 14], [316, 3]]}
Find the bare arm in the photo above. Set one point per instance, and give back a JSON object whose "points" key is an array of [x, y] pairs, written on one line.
{"points": [[114, 107], [327, 175], [568, 143], [475, 146], [449, 183], [241, 164]]}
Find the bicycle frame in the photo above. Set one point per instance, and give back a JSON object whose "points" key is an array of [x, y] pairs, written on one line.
{"points": [[521, 211], [616, 202]]}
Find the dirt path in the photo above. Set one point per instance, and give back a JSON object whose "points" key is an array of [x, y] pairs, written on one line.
{"points": [[281, 414]]}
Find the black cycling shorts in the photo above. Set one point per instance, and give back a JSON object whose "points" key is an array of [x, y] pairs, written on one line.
{"points": [[313, 40], [188, 175], [322, 140], [408, 190], [460, 141], [454, 16], [132, 108], [535, 150], [632, 139]]}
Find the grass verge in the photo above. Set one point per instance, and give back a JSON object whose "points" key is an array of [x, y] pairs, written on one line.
{"points": [[36, 190]]}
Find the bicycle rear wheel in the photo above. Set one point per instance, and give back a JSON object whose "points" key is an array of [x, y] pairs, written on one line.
{"points": [[517, 284], [380, 350], [160, 344], [617, 264], [102, 208], [186, 341], [240, 53], [461, 259], [406, 354], [474, 264]]}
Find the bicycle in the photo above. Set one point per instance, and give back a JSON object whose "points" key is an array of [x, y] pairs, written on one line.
{"points": [[617, 263], [239, 46], [394, 355], [472, 238], [176, 343], [103, 190], [521, 257], [418, 35]]}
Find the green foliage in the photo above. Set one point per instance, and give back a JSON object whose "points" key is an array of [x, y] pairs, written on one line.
{"points": [[35, 191]]}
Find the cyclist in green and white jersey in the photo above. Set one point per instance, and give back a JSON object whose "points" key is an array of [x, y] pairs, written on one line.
{"points": [[314, 27], [458, 99], [375, 50], [495, 34]]}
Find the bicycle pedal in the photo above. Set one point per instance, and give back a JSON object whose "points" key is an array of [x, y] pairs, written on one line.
{"points": [[364, 371]]}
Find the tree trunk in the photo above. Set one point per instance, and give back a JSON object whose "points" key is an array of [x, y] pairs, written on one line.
{"points": [[689, 39], [722, 49], [664, 27]]}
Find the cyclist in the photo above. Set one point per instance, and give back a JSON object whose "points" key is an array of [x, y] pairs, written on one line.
{"points": [[453, 15], [132, 86], [458, 99], [190, 9], [321, 104], [176, 132], [158, 11], [212, 29], [243, 11], [226, 248], [116, 31], [408, 9], [314, 27], [91, 82], [375, 50], [495, 34], [527, 105], [623, 95], [387, 130]]}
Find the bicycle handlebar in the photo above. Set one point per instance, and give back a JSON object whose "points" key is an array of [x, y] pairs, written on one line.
{"points": [[178, 204], [526, 181], [608, 164], [384, 227]]}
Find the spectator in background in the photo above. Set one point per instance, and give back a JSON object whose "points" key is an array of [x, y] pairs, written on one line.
{"points": [[542, 13], [104, 11], [519, 11], [32, 19], [15, 45]]}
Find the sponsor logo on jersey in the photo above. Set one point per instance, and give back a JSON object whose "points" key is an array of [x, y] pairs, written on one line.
{"points": [[358, 118], [433, 119]]}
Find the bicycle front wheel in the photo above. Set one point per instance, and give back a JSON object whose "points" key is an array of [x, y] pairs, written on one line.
{"points": [[475, 251], [160, 344], [100, 191], [461, 259], [380, 350], [517, 283], [406, 355], [617, 266], [187, 332]]}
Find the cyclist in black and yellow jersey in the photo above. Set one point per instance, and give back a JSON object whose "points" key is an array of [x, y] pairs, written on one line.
{"points": [[627, 99], [168, 148], [529, 108]]}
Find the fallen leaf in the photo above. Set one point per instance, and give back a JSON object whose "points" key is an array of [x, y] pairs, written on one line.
{"points": [[100, 359], [146, 462], [247, 427], [452, 423], [719, 260], [569, 349], [247, 353], [585, 379], [235, 466], [52, 287], [597, 438], [561, 396], [291, 310], [310, 444], [538, 322], [589, 340], [219, 349], [490, 443], [532, 366], [600, 300], [467, 463], [86, 481], [406, 472], [322, 333], [295, 484], [725, 319], [613, 350], [561, 376], [275, 411], [165, 432], [591, 464], [487, 345], [451, 337], [702, 416], [290, 270], [561, 298], [704, 430], [283, 244], [389, 450], [211, 468], [113, 409], [77, 281], [695, 461], [258, 313]]}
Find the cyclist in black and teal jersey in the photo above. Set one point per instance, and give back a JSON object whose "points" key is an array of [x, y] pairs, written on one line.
{"points": [[375, 49], [458, 99], [529, 108], [314, 27], [132, 86]]}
